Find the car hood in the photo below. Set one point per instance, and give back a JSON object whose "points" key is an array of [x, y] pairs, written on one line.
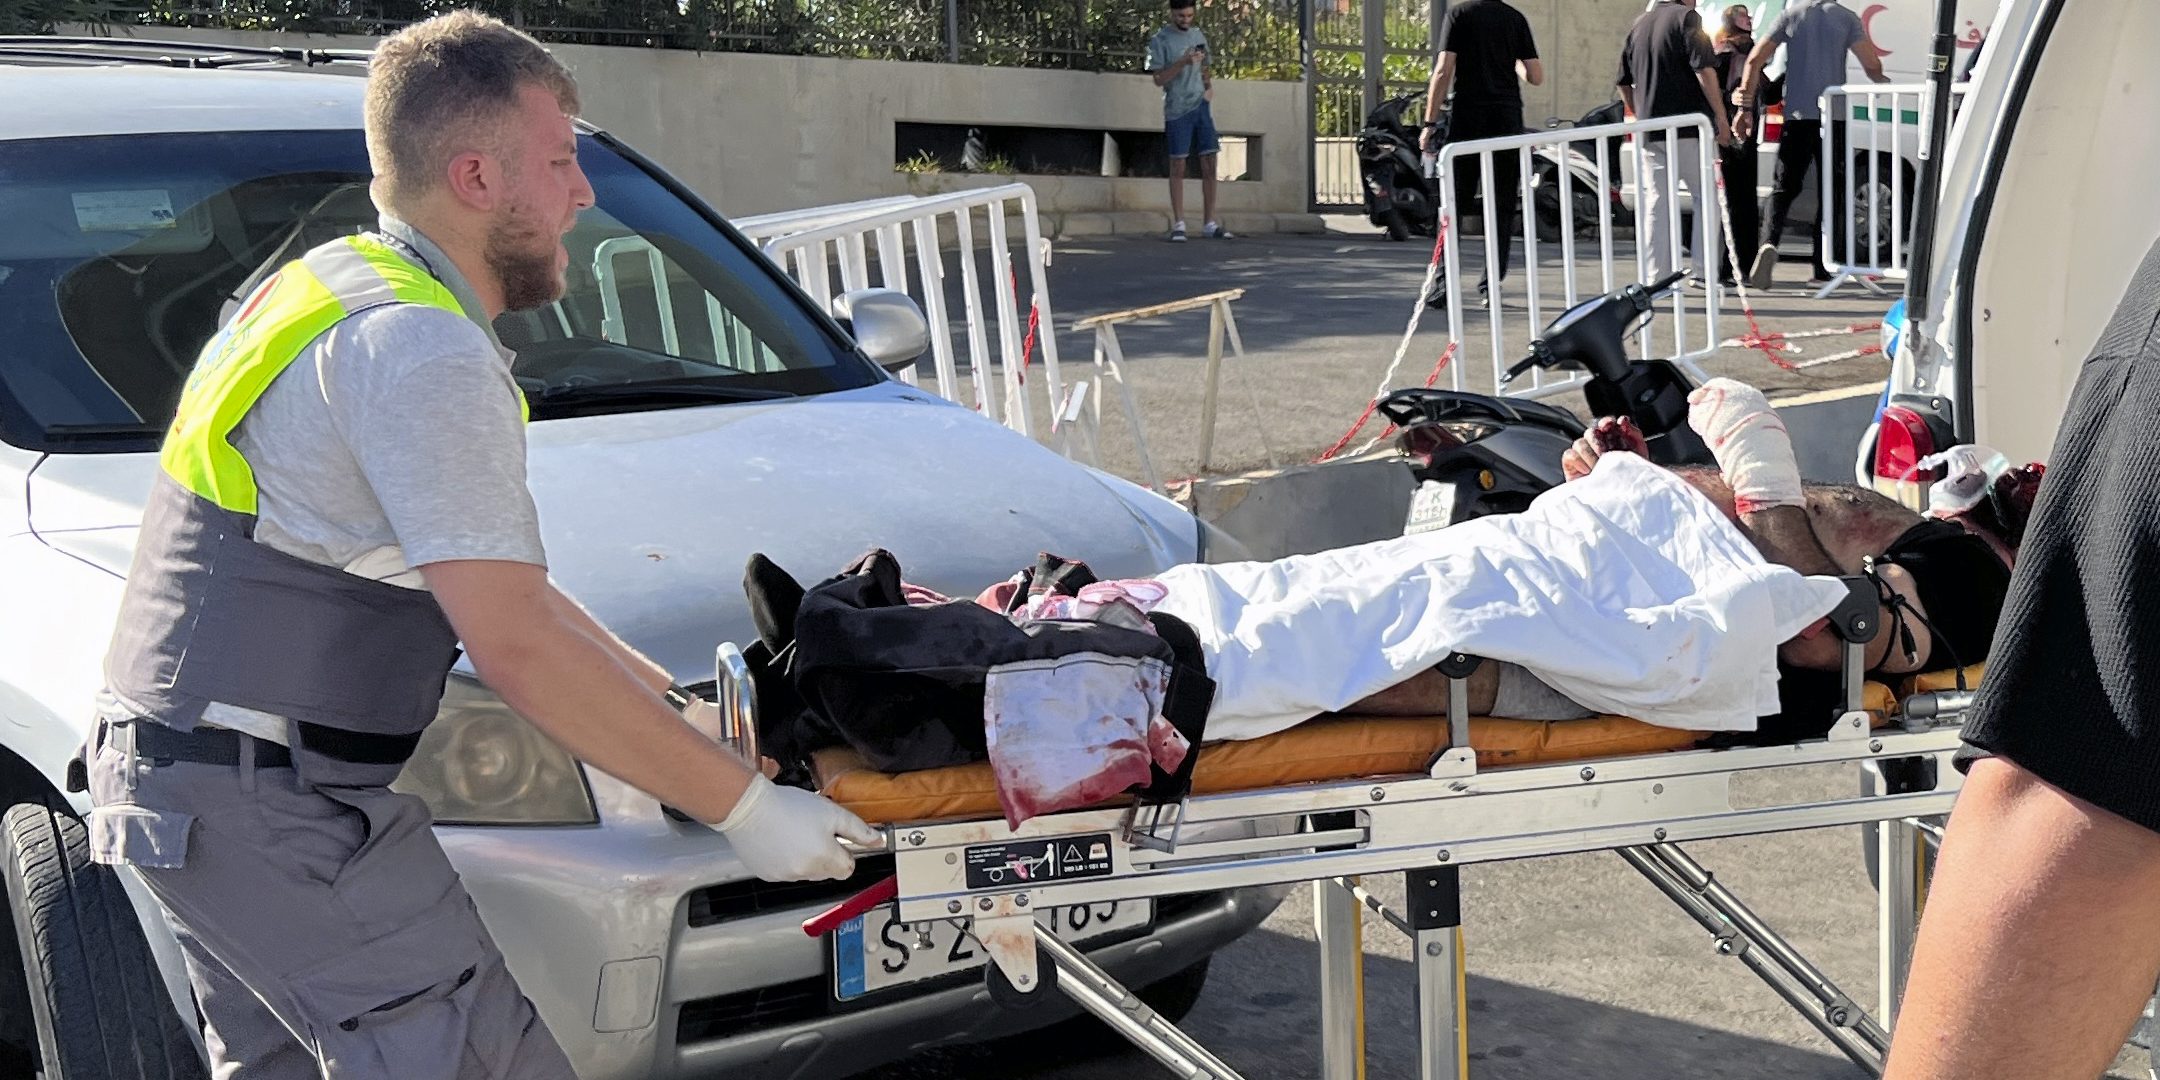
{"points": [[650, 517]]}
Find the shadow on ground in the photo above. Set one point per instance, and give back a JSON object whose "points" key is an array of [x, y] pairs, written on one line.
{"points": [[1261, 1015]]}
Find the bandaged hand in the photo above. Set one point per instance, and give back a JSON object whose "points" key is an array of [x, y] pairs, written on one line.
{"points": [[1752, 447], [788, 834], [1609, 435]]}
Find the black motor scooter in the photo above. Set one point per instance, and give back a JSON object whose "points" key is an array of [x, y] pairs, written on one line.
{"points": [[1391, 167], [1477, 454]]}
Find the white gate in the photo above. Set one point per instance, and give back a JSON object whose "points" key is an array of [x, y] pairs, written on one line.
{"points": [[829, 248], [1872, 139], [1666, 156]]}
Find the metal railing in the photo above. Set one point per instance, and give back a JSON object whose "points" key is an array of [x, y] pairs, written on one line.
{"points": [[1872, 138], [1667, 154], [833, 250]]}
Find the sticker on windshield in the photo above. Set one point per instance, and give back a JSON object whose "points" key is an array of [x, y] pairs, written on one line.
{"points": [[123, 211]]}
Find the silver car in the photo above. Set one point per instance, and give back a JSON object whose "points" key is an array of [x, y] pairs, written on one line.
{"points": [[672, 438]]}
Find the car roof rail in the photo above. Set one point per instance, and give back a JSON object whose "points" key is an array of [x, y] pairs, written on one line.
{"points": [[179, 54]]}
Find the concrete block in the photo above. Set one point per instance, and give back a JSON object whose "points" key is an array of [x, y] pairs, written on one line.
{"points": [[1302, 509], [1063, 226], [1303, 224]]}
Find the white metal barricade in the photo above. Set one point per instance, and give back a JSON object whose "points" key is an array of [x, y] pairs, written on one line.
{"points": [[1684, 332], [1873, 136], [831, 248], [763, 227]]}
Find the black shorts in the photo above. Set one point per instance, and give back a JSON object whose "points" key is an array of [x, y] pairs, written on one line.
{"points": [[2072, 692]]}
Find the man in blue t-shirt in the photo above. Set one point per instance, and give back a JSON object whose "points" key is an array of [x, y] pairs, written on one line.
{"points": [[1816, 35], [1177, 57]]}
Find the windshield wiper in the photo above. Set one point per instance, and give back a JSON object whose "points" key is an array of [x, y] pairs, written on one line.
{"points": [[100, 432], [696, 389]]}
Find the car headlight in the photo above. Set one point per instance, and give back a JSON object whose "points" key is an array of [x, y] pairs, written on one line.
{"points": [[480, 763]]}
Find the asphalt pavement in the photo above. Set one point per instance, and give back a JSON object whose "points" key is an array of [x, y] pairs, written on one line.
{"points": [[1577, 966], [1321, 318]]}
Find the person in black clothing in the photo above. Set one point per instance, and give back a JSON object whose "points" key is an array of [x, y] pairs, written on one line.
{"points": [[2038, 945], [1482, 43], [1667, 69], [1734, 39]]}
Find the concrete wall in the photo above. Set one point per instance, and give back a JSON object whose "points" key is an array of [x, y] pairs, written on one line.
{"points": [[1580, 43], [757, 133]]}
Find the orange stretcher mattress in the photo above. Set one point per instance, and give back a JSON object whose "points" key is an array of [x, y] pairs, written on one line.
{"points": [[1322, 749]]}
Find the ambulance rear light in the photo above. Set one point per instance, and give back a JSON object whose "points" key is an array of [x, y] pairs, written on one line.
{"points": [[1902, 441]]}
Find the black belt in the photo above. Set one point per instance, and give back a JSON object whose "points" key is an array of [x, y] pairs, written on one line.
{"points": [[203, 746]]}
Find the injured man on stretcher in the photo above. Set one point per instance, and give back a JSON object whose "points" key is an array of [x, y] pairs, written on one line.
{"points": [[1627, 592], [1942, 577], [1690, 599]]}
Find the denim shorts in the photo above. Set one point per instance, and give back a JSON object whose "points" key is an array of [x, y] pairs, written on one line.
{"points": [[1192, 133]]}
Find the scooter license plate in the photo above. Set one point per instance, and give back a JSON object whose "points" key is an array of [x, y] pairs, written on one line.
{"points": [[1432, 506], [877, 951]]}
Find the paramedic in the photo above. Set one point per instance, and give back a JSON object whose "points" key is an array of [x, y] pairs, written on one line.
{"points": [[341, 503], [2041, 938]]}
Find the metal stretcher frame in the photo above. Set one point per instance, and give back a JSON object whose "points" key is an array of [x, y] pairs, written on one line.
{"points": [[990, 880]]}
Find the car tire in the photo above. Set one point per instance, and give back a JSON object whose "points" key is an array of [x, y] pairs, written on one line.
{"points": [[1873, 243], [98, 1007]]}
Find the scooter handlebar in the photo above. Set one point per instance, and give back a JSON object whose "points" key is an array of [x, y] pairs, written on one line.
{"points": [[1665, 284]]}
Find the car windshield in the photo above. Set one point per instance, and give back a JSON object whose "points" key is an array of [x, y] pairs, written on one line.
{"points": [[122, 254]]}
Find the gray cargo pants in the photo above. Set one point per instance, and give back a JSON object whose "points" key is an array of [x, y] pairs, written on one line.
{"points": [[326, 934]]}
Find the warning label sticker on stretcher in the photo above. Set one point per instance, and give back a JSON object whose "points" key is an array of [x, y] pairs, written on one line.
{"points": [[1036, 862]]}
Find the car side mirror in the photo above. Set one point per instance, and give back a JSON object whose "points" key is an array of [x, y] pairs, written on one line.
{"points": [[886, 324]]}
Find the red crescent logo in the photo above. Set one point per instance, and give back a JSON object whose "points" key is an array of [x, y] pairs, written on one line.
{"points": [[1867, 25]]}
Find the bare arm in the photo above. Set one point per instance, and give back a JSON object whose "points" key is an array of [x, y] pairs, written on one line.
{"points": [[651, 674], [1169, 71], [1707, 79], [1533, 71], [1757, 59], [1870, 60], [2040, 941], [549, 666], [1436, 90]]}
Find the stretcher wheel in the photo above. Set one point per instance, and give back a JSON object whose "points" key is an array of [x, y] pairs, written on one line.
{"points": [[1008, 996]]}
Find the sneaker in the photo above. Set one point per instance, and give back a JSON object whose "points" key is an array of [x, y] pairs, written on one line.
{"points": [[1765, 266], [1213, 230], [1177, 233]]}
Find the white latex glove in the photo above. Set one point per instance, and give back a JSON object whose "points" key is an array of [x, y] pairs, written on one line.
{"points": [[788, 834], [1750, 442]]}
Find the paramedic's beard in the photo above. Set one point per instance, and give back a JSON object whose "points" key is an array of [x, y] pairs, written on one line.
{"points": [[526, 260]]}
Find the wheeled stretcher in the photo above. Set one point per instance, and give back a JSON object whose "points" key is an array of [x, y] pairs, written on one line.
{"points": [[1340, 798]]}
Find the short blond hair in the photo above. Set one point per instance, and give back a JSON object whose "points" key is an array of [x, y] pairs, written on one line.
{"points": [[434, 84]]}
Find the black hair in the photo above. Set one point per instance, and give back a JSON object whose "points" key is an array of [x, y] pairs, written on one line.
{"points": [[1180, 5], [1961, 584]]}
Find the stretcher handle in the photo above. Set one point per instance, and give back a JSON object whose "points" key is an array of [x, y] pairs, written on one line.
{"points": [[831, 919]]}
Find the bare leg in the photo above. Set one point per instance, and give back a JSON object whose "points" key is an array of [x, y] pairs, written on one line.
{"points": [[1207, 187], [1426, 694], [1177, 189], [2041, 938]]}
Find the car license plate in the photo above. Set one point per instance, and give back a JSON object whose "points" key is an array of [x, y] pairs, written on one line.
{"points": [[878, 952]]}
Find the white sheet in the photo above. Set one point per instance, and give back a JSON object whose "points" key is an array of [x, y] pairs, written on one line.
{"points": [[1626, 590]]}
